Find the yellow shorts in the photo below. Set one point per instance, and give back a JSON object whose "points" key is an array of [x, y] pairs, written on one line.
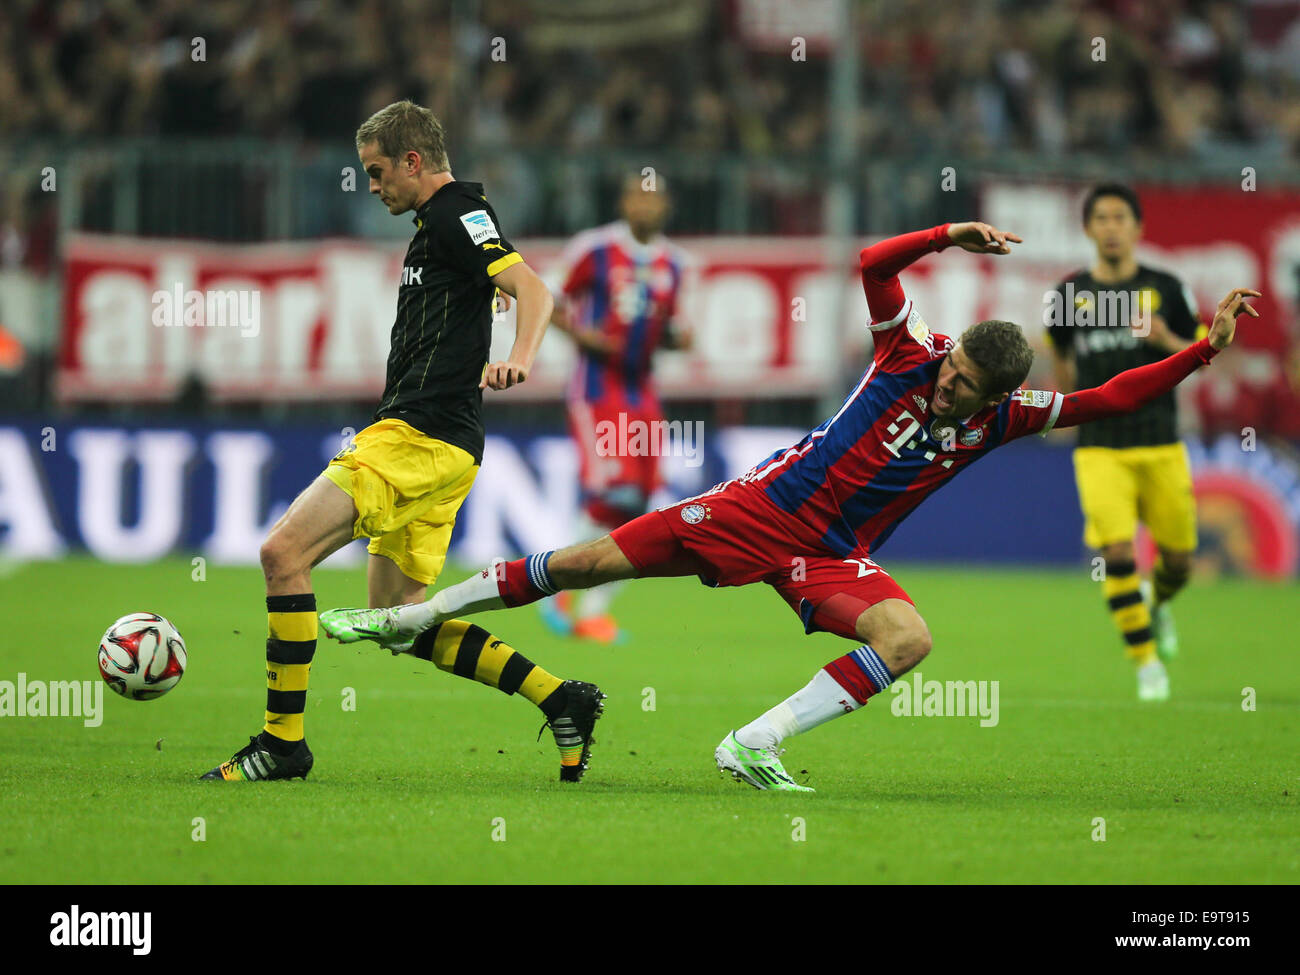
{"points": [[1120, 486], [407, 488]]}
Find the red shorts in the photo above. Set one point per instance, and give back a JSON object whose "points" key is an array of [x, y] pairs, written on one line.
{"points": [[734, 536], [618, 456]]}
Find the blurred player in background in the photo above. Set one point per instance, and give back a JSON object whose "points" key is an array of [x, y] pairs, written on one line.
{"points": [[405, 476], [619, 302], [1120, 314]]}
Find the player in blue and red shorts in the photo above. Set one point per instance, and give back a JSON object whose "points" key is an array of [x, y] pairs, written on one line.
{"points": [[808, 520], [621, 288]]}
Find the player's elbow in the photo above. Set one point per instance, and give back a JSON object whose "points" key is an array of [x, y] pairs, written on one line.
{"points": [[867, 264], [536, 295]]}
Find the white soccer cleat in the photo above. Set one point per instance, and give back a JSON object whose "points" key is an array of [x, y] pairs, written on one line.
{"points": [[1153, 682], [760, 767]]}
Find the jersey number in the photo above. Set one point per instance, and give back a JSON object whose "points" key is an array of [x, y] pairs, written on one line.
{"points": [[862, 566]]}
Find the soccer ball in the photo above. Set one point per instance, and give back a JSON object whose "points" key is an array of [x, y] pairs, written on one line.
{"points": [[142, 656]]}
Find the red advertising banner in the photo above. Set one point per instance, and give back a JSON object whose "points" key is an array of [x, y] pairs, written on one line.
{"points": [[772, 317], [310, 321]]}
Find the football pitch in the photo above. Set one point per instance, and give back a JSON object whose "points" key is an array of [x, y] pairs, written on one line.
{"points": [[434, 779]]}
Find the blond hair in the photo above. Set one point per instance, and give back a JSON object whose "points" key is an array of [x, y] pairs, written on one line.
{"points": [[404, 127]]}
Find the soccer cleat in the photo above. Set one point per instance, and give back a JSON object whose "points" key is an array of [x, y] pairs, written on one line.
{"points": [[599, 629], [760, 767], [380, 625], [1162, 622], [1153, 682], [1162, 625], [557, 614], [255, 763], [584, 703]]}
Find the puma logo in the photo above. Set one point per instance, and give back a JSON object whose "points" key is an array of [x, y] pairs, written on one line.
{"points": [[488, 247]]}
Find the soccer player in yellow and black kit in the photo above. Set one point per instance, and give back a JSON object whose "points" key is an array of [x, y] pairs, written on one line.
{"points": [[1115, 316], [404, 479]]}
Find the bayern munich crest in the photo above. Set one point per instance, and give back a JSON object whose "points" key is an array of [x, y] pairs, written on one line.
{"points": [[693, 514]]}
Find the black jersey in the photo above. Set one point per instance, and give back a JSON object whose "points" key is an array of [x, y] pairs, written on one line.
{"points": [[1091, 322], [443, 330]]}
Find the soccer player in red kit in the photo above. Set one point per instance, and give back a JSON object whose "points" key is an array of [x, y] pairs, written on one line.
{"points": [[809, 520], [620, 288]]}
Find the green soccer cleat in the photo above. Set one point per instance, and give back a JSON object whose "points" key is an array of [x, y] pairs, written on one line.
{"points": [[760, 767], [255, 763], [1162, 625], [379, 625], [1162, 622], [583, 704], [1153, 682]]}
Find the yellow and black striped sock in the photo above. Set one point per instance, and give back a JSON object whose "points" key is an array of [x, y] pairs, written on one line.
{"points": [[467, 650], [1166, 582], [290, 645], [1132, 615]]}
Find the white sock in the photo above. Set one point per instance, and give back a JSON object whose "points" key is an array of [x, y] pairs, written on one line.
{"points": [[595, 602], [589, 528], [821, 700], [476, 594]]}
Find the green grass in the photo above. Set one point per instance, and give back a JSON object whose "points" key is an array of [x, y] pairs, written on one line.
{"points": [[408, 786]]}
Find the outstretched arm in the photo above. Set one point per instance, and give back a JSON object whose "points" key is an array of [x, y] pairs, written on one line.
{"points": [[1134, 388], [881, 262]]}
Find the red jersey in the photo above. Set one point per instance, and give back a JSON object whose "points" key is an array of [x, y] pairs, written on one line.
{"points": [[629, 292], [853, 479]]}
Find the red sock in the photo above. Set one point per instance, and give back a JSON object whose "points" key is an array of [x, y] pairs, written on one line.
{"points": [[525, 580], [862, 673]]}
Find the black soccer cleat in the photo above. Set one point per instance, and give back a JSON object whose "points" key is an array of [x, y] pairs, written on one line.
{"points": [[255, 763], [584, 704]]}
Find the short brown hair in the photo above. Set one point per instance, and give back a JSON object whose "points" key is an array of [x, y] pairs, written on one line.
{"points": [[404, 127], [1001, 352]]}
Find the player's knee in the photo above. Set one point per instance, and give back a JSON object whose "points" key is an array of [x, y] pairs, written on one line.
{"points": [[915, 644], [906, 647], [279, 561], [1120, 559], [1177, 565]]}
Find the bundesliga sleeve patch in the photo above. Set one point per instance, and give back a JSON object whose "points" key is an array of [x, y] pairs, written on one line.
{"points": [[1033, 397], [916, 326], [479, 226]]}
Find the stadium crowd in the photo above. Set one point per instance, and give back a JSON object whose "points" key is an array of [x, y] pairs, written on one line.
{"points": [[1178, 76]]}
